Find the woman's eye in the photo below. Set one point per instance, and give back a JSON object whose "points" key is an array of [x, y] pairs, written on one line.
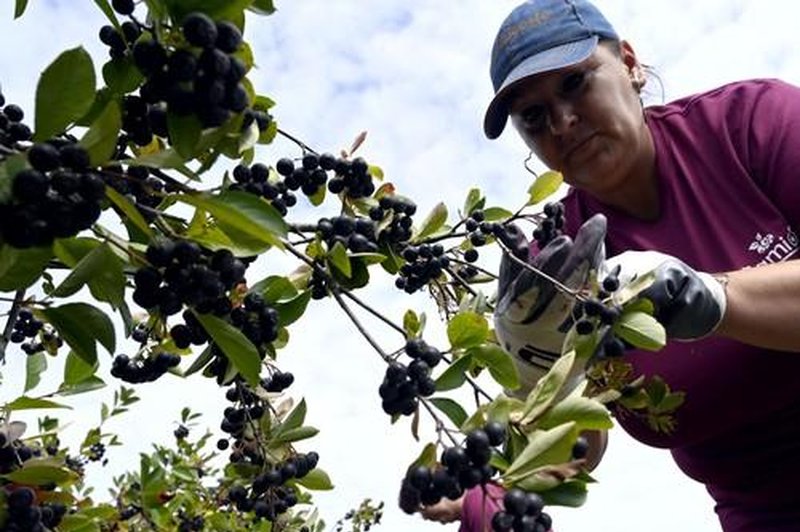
{"points": [[534, 117], [573, 82]]}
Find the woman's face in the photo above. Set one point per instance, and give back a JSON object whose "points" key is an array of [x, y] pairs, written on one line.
{"points": [[585, 120]]}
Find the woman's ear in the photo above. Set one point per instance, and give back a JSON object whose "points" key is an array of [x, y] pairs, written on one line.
{"points": [[631, 62]]}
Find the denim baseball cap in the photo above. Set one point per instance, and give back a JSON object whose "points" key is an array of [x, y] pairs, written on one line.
{"points": [[539, 36]]}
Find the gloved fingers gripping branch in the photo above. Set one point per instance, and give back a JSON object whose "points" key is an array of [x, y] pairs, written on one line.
{"points": [[689, 304], [532, 315]]}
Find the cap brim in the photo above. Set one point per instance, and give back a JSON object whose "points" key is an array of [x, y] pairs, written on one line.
{"points": [[559, 57]]}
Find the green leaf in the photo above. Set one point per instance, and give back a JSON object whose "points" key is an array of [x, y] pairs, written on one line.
{"points": [[467, 329], [641, 330], [316, 480], [426, 458], [499, 363], [245, 212], [300, 433], [159, 159], [455, 375], [275, 288], [493, 214], [65, 92], [19, 8], [101, 139], [87, 385], [451, 409], [35, 365], [121, 75], [632, 290], [237, 348], [8, 169], [433, 222], [34, 474], [292, 310], [81, 326], [184, 133], [411, 324], [129, 211], [544, 186], [548, 387], [338, 257], [295, 418], [216, 9], [33, 403], [102, 270], [585, 412], [553, 446], [571, 493], [76, 370], [263, 7], [474, 200], [71, 251], [20, 268], [200, 362]]}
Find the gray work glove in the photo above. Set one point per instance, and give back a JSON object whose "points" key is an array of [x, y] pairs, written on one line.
{"points": [[689, 304], [532, 317]]}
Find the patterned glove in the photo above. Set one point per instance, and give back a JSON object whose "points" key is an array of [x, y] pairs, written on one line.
{"points": [[532, 317], [689, 304]]}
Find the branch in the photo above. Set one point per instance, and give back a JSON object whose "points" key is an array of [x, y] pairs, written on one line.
{"points": [[439, 423], [386, 358], [558, 284], [12, 318], [297, 141]]}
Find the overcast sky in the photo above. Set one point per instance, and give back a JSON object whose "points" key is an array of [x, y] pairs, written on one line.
{"points": [[413, 74]]}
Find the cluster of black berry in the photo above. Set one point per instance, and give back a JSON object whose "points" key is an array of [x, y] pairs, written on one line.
{"points": [[138, 185], [250, 409], [181, 432], [278, 381], [143, 369], [480, 230], [142, 120], [257, 320], [182, 273], [593, 313], [57, 197], [190, 523], [202, 77], [461, 468], [269, 496], [550, 227], [12, 129], [27, 326], [401, 210], [352, 177], [308, 177], [96, 452], [402, 384], [24, 514], [424, 263], [355, 234], [522, 513], [255, 180], [318, 282]]}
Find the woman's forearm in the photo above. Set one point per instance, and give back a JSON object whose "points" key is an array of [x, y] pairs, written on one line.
{"points": [[763, 306]]}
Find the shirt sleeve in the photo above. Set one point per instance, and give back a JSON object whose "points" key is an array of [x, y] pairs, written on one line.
{"points": [[772, 140]]}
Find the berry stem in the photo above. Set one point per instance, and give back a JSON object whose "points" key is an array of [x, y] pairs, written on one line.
{"points": [[336, 294], [482, 270], [440, 428], [461, 280], [9, 328], [475, 386], [374, 312], [297, 141], [558, 284]]}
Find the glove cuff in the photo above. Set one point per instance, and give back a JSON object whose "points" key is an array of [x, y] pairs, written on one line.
{"points": [[716, 285]]}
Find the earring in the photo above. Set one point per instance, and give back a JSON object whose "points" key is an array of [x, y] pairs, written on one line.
{"points": [[528, 168]]}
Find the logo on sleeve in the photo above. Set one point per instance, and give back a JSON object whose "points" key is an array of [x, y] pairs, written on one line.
{"points": [[775, 249]]}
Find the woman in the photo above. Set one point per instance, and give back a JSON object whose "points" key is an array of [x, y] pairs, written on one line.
{"points": [[710, 181]]}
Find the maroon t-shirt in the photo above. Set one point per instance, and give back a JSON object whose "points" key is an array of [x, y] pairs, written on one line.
{"points": [[479, 506], [728, 164]]}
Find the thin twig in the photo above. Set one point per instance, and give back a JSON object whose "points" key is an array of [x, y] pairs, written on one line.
{"points": [[297, 141], [12, 318], [439, 423], [386, 358], [374, 312], [558, 284]]}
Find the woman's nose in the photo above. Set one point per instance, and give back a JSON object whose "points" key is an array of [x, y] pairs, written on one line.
{"points": [[561, 117]]}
